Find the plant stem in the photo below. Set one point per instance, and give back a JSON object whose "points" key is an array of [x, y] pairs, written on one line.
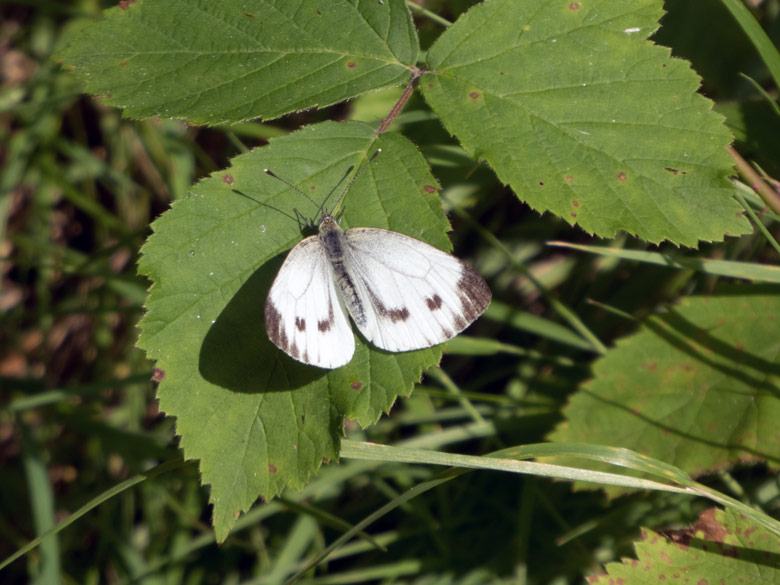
{"points": [[416, 73]]}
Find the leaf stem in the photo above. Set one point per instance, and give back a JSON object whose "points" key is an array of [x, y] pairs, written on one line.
{"points": [[416, 73], [770, 197]]}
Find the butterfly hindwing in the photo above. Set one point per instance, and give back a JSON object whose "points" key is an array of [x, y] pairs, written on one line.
{"points": [[414, 294], [304, 314]]}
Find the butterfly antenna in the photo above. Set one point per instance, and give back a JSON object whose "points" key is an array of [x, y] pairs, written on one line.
{"points": [[354, 178], [291, 186]]}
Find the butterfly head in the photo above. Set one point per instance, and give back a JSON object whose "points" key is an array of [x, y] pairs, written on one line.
{"points": [[328, 223]]}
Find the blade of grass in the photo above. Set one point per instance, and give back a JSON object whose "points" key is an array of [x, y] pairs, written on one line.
{"points": [[473, 346], [42, 503], [764, 45], [745, 270], [371, 451], [91, 505], [504, 313], [758, 223], [440, 376], [559, 307], [428, 14], [611, 455], [764, 93], [60, 394]]}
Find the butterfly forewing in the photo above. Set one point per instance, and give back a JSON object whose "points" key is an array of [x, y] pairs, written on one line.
{"points": [[414, 295], [304, 313]]}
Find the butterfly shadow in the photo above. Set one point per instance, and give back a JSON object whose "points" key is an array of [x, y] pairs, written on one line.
{"points": [[236, 353]]}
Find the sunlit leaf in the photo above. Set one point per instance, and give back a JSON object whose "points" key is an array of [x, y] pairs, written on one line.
{"points": [[258, 420], [582, 116], [232, 60]]}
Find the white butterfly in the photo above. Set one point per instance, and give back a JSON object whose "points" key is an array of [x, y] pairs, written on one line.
{"points": [[402, 294]]}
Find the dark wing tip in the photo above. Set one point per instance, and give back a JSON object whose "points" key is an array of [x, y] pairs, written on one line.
{"points": [[274, 326], [474, 293]]}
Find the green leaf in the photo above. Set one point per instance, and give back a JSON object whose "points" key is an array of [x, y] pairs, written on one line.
{"points": [[583, 117], [258, 420], [721, 547], [228, 61], [698, 387]]}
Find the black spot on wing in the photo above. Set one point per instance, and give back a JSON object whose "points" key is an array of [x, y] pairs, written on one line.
{"points": [[294, 351], [325, 325], [300, 323], [395, 315], [398, 314], [434, 303]]}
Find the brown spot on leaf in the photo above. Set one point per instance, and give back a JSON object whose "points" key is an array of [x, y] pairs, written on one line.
{"points": [[569, 178], [356, 385], [573, 214], [249, 15], [271, 468], [227, 179], [430, 85], [575, 203], [740, 346], [675, 171], [158, 375], [541, 183], [125, 4], [430, 189], [574, 6], [123, 64], [351, 64], [474, 95], [621, 176]]}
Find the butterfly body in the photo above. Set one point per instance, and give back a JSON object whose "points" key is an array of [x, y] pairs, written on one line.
{"points": [[401, 293], [331, 237]]}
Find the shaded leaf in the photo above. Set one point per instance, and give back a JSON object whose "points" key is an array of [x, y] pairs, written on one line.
{"points": [[721, 548], [228, 61], [697, 387], [258, 420], [583, 117]]}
